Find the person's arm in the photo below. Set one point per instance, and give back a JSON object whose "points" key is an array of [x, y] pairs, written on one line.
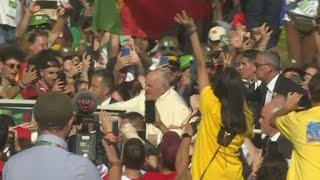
{"points": [[185, 20], [25, 20], [57, 29], [85, 67], [290, 105], [27, 77], [114, 45], [159, 124], [182, 159], [265, 37], [108, 143]]}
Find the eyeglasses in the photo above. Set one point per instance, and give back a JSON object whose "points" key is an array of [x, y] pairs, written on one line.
{"points": [[260, 65], [12, 66], [171, 48]]}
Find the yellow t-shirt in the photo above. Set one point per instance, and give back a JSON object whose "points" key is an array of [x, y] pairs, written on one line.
{"points": [[303, 130], [226, 164]]}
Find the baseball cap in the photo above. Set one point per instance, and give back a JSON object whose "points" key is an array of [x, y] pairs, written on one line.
{"points": [[53, 110], [185, 61], [40, 19], [216, 32]]}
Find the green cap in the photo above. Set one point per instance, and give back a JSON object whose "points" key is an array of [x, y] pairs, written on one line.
{"points": [[40, 19], [185, 61]]}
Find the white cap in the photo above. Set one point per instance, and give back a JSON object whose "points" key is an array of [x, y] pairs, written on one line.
{"points": [[215, 33]]}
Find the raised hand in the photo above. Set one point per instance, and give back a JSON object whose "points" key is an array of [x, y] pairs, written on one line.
{"points": [[29, 75], [183, 19], [58, 86], [292, 101], [236, 39], [86, 62], [105, 121], [265, 31], [34, 7], [123, 62]]}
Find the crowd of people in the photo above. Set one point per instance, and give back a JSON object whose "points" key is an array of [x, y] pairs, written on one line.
{"points": [[225, 107]]}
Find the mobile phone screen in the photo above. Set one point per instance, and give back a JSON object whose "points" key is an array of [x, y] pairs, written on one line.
{"points": [[125, 52], [150, 111]]}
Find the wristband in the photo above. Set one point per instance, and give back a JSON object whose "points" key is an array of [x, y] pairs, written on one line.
{"points": [[192, 30], [186, 135], [22, 85], [111, 164]]}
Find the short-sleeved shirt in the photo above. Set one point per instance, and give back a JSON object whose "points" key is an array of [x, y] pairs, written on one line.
{"points": [[303, 130], [226, 163], [50, 162]]}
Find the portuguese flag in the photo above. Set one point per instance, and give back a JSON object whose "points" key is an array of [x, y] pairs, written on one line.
{"points": [[145, 18]]}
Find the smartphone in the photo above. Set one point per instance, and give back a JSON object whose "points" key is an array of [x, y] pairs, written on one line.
{"points": [[62, 77], [150, 111], [125, 52], [164, 60], [47, 4]]}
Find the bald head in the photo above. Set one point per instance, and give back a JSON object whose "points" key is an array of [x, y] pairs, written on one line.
{"points": [[267, 113]]}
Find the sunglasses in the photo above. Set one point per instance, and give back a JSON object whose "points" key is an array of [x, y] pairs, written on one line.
{"points": [[171, 48], [12, 66]]}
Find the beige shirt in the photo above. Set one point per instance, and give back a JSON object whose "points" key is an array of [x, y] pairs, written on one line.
{"points": [[172, 110]]}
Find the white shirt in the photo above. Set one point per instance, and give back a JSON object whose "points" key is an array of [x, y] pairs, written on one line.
{"points": [[172, 110], [106, 102], [10, 16], [270, 87], [275, 137]]}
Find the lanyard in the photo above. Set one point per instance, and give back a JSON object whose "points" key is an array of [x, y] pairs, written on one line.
{"points": [[42, 143]]}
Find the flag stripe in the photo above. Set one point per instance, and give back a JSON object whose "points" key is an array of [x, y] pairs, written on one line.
{"points": [[107, 16]]}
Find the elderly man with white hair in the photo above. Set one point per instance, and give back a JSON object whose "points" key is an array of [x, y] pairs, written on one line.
{"points": [[172, 109]]}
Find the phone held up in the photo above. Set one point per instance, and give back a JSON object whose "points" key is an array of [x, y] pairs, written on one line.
{"points": [[150, 111]]}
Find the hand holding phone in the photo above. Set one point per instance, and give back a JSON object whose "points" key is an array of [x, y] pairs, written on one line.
{"points": [[125, 52], [150, 111]]}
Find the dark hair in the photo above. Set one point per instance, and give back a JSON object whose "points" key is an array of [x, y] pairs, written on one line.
{"points": [[34, 35], [135, 119], [294, 69], [274, 165], [133, 154], [8, 119], [314, 88], [251, 54], [45, 59], [229, 89], [124, 91], [12, 52], [107, 78]]}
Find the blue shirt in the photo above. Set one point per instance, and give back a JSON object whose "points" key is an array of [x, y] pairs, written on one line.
{"points": [[49, 162]]}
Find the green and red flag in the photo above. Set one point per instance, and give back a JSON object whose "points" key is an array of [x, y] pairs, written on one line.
{"points": [[145, 18]]}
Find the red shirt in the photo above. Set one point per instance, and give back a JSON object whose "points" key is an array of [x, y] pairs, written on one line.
{"points": [[159, 176], [1, 166]]}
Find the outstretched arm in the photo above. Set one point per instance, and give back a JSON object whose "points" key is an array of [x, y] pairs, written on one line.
{"points": [[188, 23]]}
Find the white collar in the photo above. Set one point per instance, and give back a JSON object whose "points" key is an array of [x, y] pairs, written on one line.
{"points": [[106, 102], [257, 84], [164, 95], [272, 83], [275, 137]]}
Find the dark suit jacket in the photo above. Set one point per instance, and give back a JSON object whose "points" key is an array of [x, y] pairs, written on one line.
{"points": [[256, 99], [284, 146], [283, 86]]}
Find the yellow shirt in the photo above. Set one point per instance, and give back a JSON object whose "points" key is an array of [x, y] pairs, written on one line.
{"points": [[226, 164], [303, 130]]}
